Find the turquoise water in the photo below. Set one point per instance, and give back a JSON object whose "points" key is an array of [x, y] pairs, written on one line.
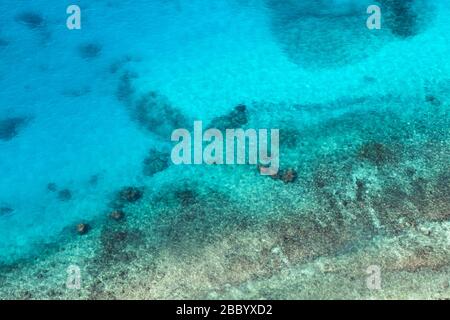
{"points": [[363, 115]]}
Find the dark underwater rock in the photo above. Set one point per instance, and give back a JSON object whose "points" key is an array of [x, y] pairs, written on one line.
{"points": [[130, 194], [9, 127], [82, 228], [65, 195], [235, 119], [89, 50], [155, 162], [154, 112], [117, 215], [287, 175], [32, 20]]}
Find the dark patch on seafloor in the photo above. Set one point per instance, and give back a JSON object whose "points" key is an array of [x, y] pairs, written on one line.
{"points": [[151, 110], [155, 162], [89, 50], [236, 118], [52, 187], [125, 196], [32, 20], [4, 211], [64, 195], [155, 113], [10, 127], [405, 18], [295, 23]]}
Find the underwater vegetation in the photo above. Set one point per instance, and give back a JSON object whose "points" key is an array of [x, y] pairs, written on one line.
{"points": [[125, 196], [83, 228]]}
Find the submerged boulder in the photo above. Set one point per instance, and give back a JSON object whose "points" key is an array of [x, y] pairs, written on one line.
{"points": [[287, 176], [130, 194], [117, 215], [82, 228]]}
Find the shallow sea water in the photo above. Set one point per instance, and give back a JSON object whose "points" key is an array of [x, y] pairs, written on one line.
{"points": [[364, 120]]}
